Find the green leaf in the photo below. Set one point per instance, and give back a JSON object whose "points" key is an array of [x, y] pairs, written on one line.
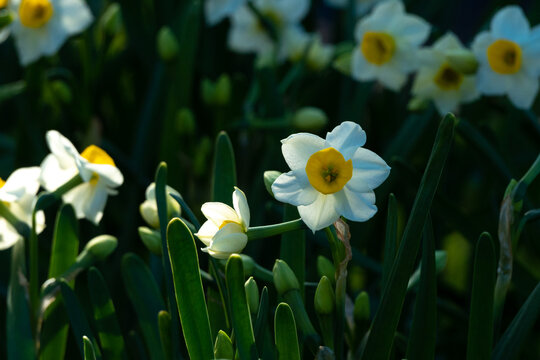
{"points": [[8, 91], [386, 319], [285, 334], [293, 247], [89, 353], [510, 343], [424, 326], [224, 174], [79, 324], [65, 248], [216, 311], [109, 333], [146, 299], [223, 348], [164, 322], [20, 345], [262, 319], [390, 241], [480, 338], [241, 319], [189, 291]]}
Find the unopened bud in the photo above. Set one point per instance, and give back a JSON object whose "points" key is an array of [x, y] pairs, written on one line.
{"points": [[361, 307], [269, 177], [167, 44], [462, 60], [101, 246], [151, 239], [222, 90], [185, 122], [324, 300], [223, 348], [284, 278], [309, 119], [326, 268], [252, 295], [148, 210]]}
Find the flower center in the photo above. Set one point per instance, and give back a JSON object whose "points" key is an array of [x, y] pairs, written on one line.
{"points": [[225, 223], [378, 47], [97, 155], [448, 78], [2, 183], [3, 4], [35, 13], [504, 56], [327, 171]]}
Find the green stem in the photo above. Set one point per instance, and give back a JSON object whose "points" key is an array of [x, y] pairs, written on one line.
{"points": [[261, 232]]}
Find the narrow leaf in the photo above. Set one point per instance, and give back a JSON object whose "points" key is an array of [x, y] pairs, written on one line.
{"points": [[164, 322], [285, 334], [89, 353], [224, 174], [293, 247], [223, 348], [390, 241]]}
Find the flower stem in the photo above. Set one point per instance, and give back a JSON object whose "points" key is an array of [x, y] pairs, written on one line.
{"points": [[260, 232]]}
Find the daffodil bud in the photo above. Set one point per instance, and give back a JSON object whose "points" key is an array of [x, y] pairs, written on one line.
{"points": [[269, 178], [309, 119], [222, 90], [324, 300], [151, 239], [111, 20], [167, 44], [326, 268], [462, 60], [361, 307], [185, 122], [319, 54], [61, 91], [223, 348], [101, 246], [284, 278], [148, 210], [207, 91], [252, 295]]}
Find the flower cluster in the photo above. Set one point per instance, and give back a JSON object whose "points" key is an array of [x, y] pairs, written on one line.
{"points": [[84, 180]]}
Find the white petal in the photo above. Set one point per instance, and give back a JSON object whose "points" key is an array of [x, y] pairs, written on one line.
{"points": [[62, 148], [23, 181], [75, 16], [490, 83], [446, 102], [524, 90], [217, 10], [355, 206], [88, 200], [369, 167], [479, 46], [448, 41], [294, 188], [297, 149], [241, 207], [320, 214], [109, 174], [229, 238], [207, 232], [53, 175], [8, 235], [510, 23], [361, 69], [219, 212], [293, 11], [391, 77], [412, 29], [346, 138]]}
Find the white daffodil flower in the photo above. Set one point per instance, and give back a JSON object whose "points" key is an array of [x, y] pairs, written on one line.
{"points": [[509, 57], [330, 177], [18, 193], [388, 45], [95, 167], [224, 233], [40, 27], [438, 80], [248, 34], [148, 208], [217, 10]]}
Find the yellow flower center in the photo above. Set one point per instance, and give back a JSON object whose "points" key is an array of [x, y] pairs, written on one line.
{"points": [[378, 47], [2, 183], [448, 78], [97, 155], [225, 223], [504, 56], [327, 171], [3, 3], [35, 13]]}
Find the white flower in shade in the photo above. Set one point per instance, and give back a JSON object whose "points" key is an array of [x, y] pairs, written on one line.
{"points": [[330, 177], [509, 57], [248, 34], [40, 27], [310, 48], [148, 208], [224, 233], [439, 80], [18, 194], [4, 31], [95, 167], [217, 10], [388, 45]]}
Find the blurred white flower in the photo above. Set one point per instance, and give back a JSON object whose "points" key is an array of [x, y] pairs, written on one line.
{"points": [[224, 233], [18, 194], [248, 34], [302, 45], [388, 45], [148, 208], [330, 177], [96, 168], [509, 57], [217, 10], [438, 80], [40, 27]]}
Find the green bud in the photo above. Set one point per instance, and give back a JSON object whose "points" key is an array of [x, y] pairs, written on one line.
{"points": [[185, 122], [284, 278], [326, 268], [343, 63], [223, 348], [61, 91], [222, 90], [269, 177], [151, 239], [462, 60], [167, 44], [309, 119], [208, 91], [173, 207], [252, 295], [148, 210], [417, 104], [248, 263], [101, 246], [361, 307], [325, 299]]}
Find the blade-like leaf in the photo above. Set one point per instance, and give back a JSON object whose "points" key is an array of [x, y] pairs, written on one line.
{"points": [[224, 174], [390, 242], [379, 343], [189, 291], [89, 353], [293, 247], [223, 348], [164, 321], [285, 334]]}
